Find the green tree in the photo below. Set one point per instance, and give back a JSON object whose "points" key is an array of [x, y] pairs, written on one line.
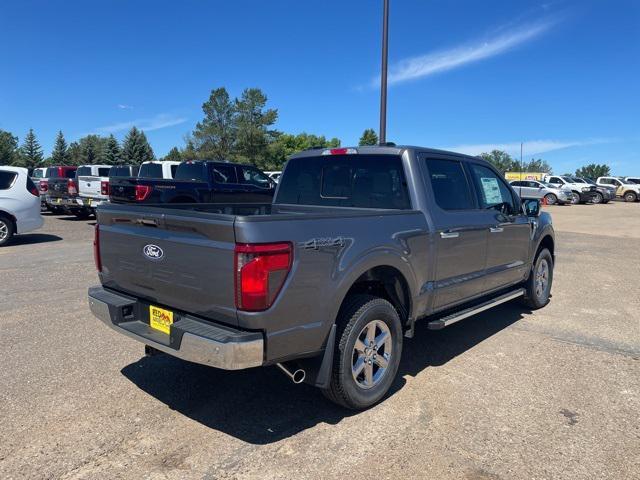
{"points": [[286, 144], [536, 165], [136, 148], [594, 170], [215, 136], [112, 154], [369, 137], [31, 155], [253, 120], [501, 160], [74, 153], [8, 148], [60, 155], [174, 155], [92, 148]]}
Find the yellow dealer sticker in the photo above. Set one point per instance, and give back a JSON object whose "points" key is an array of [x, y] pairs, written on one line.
{"points": [[160, 319]]}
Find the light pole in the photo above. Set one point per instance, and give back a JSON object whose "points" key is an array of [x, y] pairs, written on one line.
{"points": [[383, 74]]}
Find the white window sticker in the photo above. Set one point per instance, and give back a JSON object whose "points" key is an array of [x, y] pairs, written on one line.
{"points": [[491, 190]]}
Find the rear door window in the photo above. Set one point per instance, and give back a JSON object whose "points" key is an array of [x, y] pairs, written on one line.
{"points": [[450, 186], [174, 169], [7, 179], [150, 170], [365, 181], [224, 174]]}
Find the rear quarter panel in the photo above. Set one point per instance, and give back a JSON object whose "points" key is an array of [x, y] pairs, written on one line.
{"points": [[323, 271]]}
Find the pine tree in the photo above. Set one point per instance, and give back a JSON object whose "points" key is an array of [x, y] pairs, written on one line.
{"points": [[136, 148], [60, 154], [30, 152], [112, 153], [8, 148], [369, 137], [174, 155]]}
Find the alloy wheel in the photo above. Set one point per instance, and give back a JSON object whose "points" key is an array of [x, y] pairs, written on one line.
{"points": [[4, 230], [542, 279], [371, 354]]}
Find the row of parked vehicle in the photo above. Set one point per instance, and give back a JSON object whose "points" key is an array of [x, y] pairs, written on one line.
{"points": [[562, 189], [80, 190]]}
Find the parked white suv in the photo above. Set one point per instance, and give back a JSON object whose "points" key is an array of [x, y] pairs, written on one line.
{"points": [[19, 203], [552, 194], [624, 189]]}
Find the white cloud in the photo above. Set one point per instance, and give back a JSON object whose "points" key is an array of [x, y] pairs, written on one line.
{"points": [[531, 147], [443, 60], [162, 120], [122, 106]]}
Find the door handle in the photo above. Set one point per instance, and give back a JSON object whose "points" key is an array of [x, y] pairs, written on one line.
{"points": [[449, 234], [496, 229]]}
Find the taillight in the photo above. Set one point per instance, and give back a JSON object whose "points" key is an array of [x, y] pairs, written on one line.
{"points": [[96, 248], [34, 191], [260, 272], [104, 188], [44, 185], [72, 188], [142, 192]]}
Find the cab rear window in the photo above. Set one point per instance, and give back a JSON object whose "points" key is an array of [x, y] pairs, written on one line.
{"points": [[365, 181], [150, 170]]}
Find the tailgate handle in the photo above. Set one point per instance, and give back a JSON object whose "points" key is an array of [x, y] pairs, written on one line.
{"points": [[149, 222]]}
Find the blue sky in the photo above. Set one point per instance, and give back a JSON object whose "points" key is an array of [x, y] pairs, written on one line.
{"points": [[561, 76]]}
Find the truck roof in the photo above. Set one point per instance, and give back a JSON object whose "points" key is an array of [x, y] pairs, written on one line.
{"points": [[383, 150]]}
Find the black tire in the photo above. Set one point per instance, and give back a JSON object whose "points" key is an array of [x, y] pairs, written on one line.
{"points": [[551, 198], [575, 200], [7, 230], [535, 297], [630, 197], [598, 198], [56, 210], [361, 311], [82, 214]]}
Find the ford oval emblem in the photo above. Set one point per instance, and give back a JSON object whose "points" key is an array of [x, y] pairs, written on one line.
{"points": [[153, 252]]}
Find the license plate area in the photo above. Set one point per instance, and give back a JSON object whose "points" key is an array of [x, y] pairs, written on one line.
{"points": [[160, 319]]}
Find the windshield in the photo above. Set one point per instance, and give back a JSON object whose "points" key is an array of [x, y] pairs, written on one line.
{"points": [[577, 180], [589, 181], [549, 185], [38, 173], [567, 179]]}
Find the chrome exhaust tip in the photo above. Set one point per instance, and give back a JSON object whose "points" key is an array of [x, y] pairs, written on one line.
{"points": [[297, 376]]}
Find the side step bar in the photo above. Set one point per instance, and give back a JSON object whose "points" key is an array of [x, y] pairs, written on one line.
{"points": [[462, 314]]}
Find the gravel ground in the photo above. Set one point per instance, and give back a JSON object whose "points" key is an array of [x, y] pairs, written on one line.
{"points": [[506, 394]]}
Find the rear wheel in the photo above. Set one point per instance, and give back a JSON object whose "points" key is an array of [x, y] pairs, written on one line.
{"points": [[82, 214], [7, 230], [551, 199], [630, 197], [538, 287], [368, 353]]}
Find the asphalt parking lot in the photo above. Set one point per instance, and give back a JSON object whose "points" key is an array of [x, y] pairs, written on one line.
{"points": [[506, 394]]}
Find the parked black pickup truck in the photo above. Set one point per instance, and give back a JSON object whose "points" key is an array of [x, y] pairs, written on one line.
{"points": [[326, 282], [197, 182]]}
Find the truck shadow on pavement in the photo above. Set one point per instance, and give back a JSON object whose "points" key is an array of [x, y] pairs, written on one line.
{"points": [[261, 405], [33, 238]]}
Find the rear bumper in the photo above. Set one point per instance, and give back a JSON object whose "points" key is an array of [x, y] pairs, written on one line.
{"points": [[190, 339], [66, 202], [91, 202]]}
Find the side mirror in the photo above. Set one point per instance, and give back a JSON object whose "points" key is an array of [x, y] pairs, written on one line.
{"points": [[531, 207]]}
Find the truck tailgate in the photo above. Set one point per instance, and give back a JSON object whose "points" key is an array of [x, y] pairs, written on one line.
{"points": [[122, 190], [184, 263], [89, 186]]}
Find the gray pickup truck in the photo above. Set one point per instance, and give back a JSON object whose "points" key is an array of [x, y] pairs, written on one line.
{"points": [[327, 281]]}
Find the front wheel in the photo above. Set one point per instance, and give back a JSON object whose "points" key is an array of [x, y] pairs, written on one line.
{"points": [[598, 198], [6, 230], [551, 199], [575, 200], [538, 286], [630, 197], [368, 353]]}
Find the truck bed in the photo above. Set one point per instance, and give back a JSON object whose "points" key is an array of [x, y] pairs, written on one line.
{"points": [[197, 270]]}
